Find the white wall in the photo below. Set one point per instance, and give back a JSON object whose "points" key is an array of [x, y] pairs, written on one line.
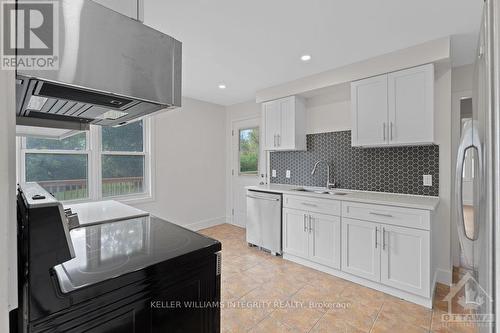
{"points": [[429, 52], [325, 114], [8, 274], [190, 159], [441, 243]]}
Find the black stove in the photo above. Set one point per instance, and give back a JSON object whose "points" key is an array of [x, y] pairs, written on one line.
{"points": [[111, 277]]}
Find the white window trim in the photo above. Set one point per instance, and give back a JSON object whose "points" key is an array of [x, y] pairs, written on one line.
{"points": [[94, 153]]}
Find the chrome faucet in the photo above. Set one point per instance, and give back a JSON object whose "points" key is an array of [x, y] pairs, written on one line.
{"points": [[328, 184]]}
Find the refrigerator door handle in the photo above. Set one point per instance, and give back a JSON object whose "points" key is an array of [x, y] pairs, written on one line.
{"points": [[469, 140]]}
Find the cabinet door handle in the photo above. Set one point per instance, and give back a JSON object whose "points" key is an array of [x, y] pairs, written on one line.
{"points": [[391, 129], [279, 140], [376, 236], [310, 223], [274, 145], [383, 238], [383, 129], [309, 204], [380, 214], [305, 223]]}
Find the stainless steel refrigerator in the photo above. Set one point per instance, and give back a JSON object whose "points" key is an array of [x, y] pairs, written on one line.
{"points": [[477, 220]]}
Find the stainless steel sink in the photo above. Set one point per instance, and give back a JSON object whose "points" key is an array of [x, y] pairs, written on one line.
{"points": [[311, 190], [318, 191]]}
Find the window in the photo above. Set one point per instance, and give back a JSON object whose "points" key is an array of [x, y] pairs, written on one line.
{"points": [[123, 160], [104, 162], [249, 151], [60, 166]]}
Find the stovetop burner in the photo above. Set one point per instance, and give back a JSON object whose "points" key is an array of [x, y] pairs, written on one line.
{"points": [[109, 250]]}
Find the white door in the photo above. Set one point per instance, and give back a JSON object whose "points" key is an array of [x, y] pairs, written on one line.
{"points": [[245, 165], [369, 111], [272, 124], [295, 232], [361, 248], [405, 259], [324, 240], [130, 8], [411, 105]]}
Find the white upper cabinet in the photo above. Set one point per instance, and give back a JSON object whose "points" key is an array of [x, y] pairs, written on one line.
{"points": [[271, 116], [284, 124], [131, 8], [369, 116], [411, 105], [394, 109]]}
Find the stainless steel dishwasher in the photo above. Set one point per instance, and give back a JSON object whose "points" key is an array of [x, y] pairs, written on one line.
{"points": [[264, 220]]}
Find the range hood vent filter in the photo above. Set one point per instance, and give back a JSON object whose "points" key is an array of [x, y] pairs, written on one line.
{"points": [[83, 96]]}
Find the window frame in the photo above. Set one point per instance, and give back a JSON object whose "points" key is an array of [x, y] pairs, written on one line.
{"points": [[243, 174], [94, 154]]}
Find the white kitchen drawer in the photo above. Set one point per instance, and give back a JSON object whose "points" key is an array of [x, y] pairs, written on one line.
{"points": [[316, 205], [406, 217]]}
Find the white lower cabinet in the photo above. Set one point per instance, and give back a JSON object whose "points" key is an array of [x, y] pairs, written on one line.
{"points": [[324, 240], [398, 257], [312, 236], [360, 249], [295, 233], [383, 247], [405, 259]]}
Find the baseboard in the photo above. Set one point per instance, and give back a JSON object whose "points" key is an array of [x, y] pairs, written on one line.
{"points": [[442, 276], [206, 223], [420, 300], [229, 220]]}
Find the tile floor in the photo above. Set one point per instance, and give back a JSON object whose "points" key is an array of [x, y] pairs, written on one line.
{"points": [[263, 293]]}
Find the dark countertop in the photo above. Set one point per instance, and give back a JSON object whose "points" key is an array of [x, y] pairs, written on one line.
{"points": [[109, 250]]}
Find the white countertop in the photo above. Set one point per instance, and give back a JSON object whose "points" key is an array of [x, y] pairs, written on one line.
{"points": [[104, 211], [390, 199]]}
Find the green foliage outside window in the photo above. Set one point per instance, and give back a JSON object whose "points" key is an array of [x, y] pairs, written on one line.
{"points": [[66, 175], [124, 138], [249, 151], [74, 142]]}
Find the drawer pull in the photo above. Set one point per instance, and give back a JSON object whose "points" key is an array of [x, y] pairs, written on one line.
{"points": [[309, 204], [380, 214]]}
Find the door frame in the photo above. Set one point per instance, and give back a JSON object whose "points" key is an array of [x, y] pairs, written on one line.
{"points": [[262, 160]]}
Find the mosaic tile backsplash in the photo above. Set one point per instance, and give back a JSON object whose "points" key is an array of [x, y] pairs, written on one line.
{"points": [[392, 169]]}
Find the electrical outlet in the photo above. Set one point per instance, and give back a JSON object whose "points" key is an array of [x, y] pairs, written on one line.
{"points": [[273, 173], [287, 174], [427, 180]]}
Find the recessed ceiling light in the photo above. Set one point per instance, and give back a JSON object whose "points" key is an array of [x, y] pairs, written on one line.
{"points": [[305, 57], [222, 86]]}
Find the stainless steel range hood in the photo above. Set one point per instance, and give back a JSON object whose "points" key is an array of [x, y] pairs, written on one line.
{"points": [[112, 69]]}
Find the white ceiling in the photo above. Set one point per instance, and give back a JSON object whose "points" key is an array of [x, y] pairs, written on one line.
{"points": [[254, 44]]}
